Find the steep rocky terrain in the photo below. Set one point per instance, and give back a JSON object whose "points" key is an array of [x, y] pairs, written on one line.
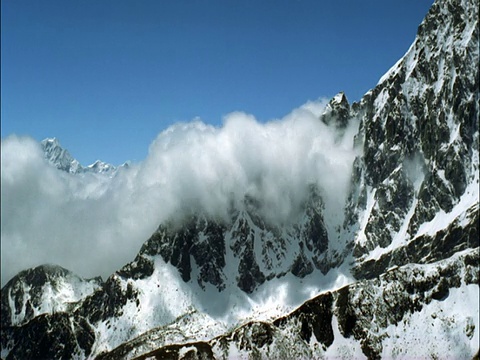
{"points": [[407, 250], [245, 249], [419, 134], [37, 301], [372, 318]]}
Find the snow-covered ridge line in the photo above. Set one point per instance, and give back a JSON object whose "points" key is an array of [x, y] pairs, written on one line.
{"points": [[61, 159], [340, 321], [45, 289]]}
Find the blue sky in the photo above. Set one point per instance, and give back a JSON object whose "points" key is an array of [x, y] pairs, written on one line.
{"points": [[106, 76]]}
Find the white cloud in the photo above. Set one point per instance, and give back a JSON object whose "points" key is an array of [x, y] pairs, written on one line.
{"points": [[94, 225]]}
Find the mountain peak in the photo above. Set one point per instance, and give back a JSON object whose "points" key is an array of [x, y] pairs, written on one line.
{"points": [[56, 155], [51, 141], [340, 99], [337, 111], [42, 290], [59, 157]]}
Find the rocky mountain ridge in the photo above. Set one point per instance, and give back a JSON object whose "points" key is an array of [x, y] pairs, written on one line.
{"points": [[246, 248], [419, 132], [59, 157], [409, 243], [361, 313]]}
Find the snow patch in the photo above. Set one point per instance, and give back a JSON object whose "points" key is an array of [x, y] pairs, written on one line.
{"points": [[442, 220], [361, 237], [442, 329], [343, 348]]}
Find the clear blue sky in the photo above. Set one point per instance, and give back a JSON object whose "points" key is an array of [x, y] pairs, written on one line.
{"points": [[106, 76]]}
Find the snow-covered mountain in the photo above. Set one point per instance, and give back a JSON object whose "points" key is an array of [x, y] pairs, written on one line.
{"points": [[61, 159], [394, 275], [419, 130]]}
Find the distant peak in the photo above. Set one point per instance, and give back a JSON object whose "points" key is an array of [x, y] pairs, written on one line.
{"points": [[96, 163], [53, 141], [101, 167], [62, 160]]}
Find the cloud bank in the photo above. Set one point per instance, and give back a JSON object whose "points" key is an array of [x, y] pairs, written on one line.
{"points": [[93, 225]]}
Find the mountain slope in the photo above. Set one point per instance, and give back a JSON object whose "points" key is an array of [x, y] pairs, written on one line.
{"points": [[204, 286], [414, 194], [370, 319], [419, 132], [41, 296]]}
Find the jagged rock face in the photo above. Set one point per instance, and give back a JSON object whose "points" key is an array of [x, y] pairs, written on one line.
{"points": [[461, 234], [59, 156], [419, 132], [62, 337], [202, 239], [337, 112], [258, 251]]}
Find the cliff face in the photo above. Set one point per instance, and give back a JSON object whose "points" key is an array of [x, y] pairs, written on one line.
{"points": [[419, 134], [410, 239], [246, 250]]}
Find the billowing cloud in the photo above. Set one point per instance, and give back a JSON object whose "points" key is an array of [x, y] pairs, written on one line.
{"points": [[93, 225]]}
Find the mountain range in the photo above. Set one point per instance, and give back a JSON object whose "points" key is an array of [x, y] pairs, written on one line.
{"points": [[395, 274], [62, 160]]}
